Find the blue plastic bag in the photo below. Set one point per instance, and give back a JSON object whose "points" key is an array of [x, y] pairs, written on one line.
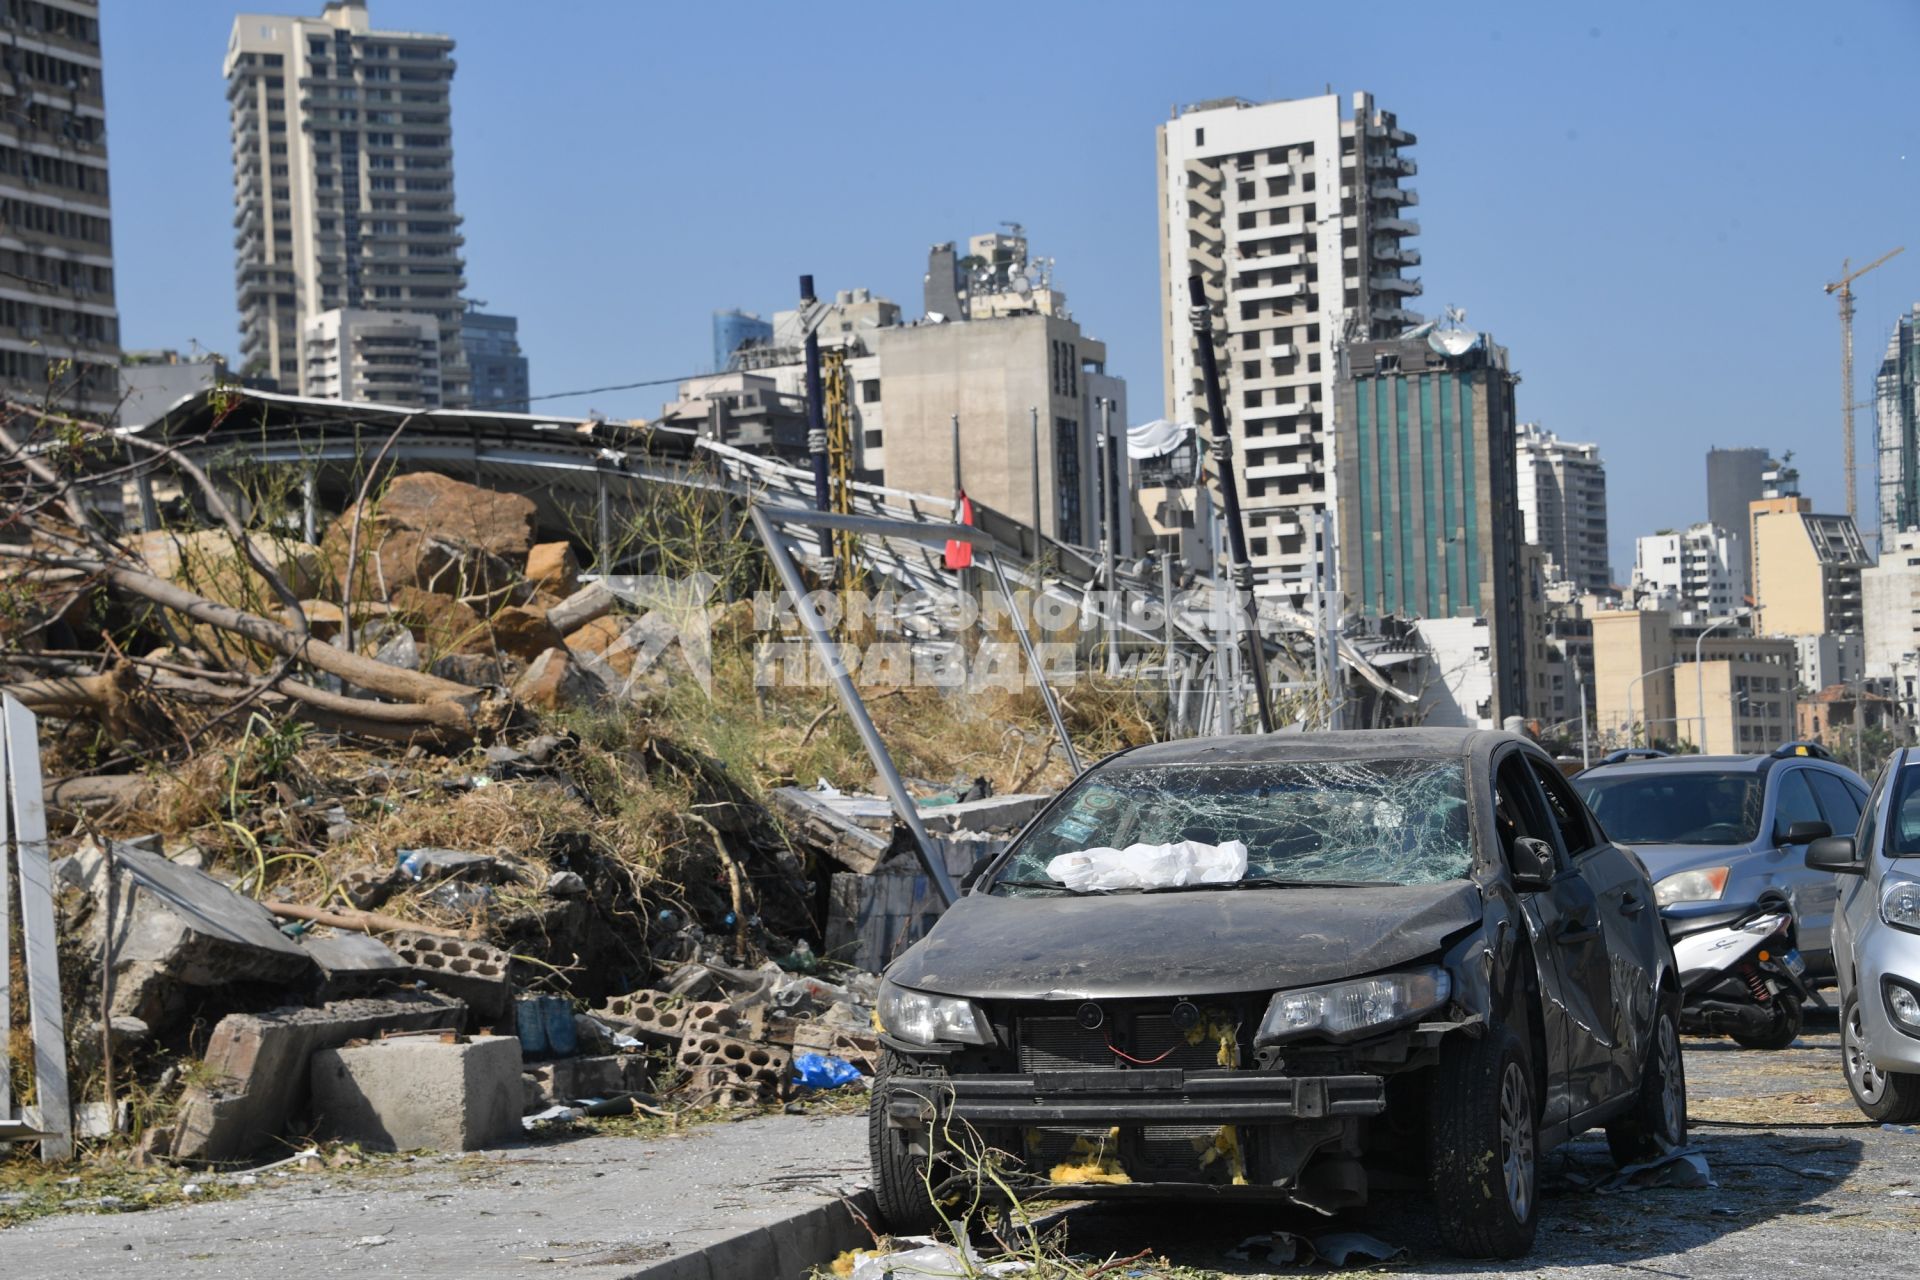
{"points": [[823, 1071]]}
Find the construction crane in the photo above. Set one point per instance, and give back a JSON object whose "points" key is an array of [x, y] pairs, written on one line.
{"points": [[1844, 287]]}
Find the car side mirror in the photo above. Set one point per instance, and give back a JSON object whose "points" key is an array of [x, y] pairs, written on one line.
{"points": [[1532, 860], [1804, 832], [1835, 854]]}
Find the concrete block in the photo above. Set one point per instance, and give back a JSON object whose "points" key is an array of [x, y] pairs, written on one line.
{"points": [[353, 964], [175, 928], [420, 1093], [997, 814], [571, 1079], [661, 1019], [473, 971], [258, 1065], [760, 1067]]}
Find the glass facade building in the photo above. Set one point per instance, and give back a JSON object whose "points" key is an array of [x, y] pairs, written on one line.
{"points": [[733, 330], [498, 369]]}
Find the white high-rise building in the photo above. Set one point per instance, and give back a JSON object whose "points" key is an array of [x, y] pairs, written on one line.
{"points": [[343, 182], [1890, 600], [1690, 570], [1294, 215], [1563, 500], [382, 357]]}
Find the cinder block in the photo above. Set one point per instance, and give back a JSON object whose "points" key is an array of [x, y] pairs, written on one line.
{"points": [[661, 1019], [258, 1067], [420, 1093], [759, 1067], [718, 1086], [572, 1079], [477, 973]]}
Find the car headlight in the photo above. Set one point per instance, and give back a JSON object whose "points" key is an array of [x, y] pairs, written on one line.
{"points": [[930, 1019], [1343, 1009], [1900, 906], [1702, 884]]}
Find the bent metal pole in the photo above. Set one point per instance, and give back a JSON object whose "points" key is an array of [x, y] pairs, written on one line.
{"points": [[930, 857], [1222, 447]]}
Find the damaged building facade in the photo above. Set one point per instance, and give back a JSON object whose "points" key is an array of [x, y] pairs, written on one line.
{"points": [[1430, 526]]}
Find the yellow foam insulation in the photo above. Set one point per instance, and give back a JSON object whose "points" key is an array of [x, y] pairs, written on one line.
{"points": [[846, 1262], [1095, 1163], [1216, 1027], [1225, 1145]]}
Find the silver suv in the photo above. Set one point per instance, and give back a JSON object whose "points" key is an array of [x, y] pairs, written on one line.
{"points": [[1729, 828], [1876, 943]]}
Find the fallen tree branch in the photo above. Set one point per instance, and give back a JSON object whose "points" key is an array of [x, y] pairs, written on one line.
{"points": [[359, 921]]}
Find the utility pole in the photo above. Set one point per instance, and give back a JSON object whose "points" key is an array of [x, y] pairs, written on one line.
{"points": [[1033, 428], [1109, 531], [1222, 444], [1844, 287]]}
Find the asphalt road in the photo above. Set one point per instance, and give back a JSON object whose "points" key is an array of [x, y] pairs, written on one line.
{"points": [[1806, 1187]]}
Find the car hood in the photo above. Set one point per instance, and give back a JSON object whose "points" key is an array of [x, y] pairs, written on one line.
{"points": [[1663, 860], [1201, 942]]}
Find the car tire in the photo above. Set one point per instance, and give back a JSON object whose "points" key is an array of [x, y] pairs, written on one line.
{"points": [[1890, 1097], [900, 1187], [1788, 1018], [1484, 1147], [1657, 1122]]}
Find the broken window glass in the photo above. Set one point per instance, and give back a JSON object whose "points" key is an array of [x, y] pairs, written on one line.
{"points": [[1372, 821]]}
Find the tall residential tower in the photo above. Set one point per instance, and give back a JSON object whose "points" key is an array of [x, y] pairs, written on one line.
{"points": [[1294, 215], [343, 183], [1897, 431], [59, 332], [1563, 500]]}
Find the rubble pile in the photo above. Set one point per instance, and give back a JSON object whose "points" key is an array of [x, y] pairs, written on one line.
{"points": [[353, 811]]}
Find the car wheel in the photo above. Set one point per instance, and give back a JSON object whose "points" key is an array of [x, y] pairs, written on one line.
{"points": [[1658, 1121], [1891, 1097], [900, 1178], [1782, 1032], [1484, 1147]]}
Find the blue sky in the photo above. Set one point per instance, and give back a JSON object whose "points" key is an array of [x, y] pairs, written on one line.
{"points": [[1642, 204]]}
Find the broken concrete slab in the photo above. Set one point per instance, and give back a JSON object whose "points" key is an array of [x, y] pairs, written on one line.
{"points": [[474, 972], [848, 838], [995, 814], [433, 1094], [176, 928], [257, 1064], [353, 964]]}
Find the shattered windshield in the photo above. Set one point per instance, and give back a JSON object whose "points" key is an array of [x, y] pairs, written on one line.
{"points": [[1335, 822], [1676, 806]]}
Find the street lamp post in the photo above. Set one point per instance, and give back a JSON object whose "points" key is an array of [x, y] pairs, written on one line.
{"points": [[1700, 679]]}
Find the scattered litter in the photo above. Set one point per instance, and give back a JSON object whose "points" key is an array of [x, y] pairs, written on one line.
{"points": [[824, 1071], [1335, 1249], [931, 1260], [1685, 1168], [559, 1113], [1150, 866]]}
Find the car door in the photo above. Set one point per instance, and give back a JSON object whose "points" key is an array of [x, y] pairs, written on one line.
{"points": [[1856, 896], [1628, 919], [1566, 921], [1813, 893]]}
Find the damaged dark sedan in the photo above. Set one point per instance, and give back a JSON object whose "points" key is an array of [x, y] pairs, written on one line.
{"points": [[1299, 967]]}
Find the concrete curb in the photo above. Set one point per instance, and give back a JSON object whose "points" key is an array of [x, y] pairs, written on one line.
{"points": [[783, 1250]]}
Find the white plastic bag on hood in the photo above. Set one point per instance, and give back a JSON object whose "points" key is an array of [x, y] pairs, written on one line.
{"points": [[1151, 866]]}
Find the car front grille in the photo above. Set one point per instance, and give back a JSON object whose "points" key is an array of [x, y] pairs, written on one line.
{"points": [[1049, 1043]]}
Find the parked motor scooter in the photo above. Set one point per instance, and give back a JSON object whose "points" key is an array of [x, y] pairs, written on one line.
{"points": [[1740, 974]]}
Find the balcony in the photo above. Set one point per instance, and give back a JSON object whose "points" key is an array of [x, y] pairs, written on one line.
{"points": [[1271, 262], [1397, 226], [1269, 412], [1276, 231], [1394, 193], [1389, 250], [1402, 165], [1266, 291], [1396, 284]]}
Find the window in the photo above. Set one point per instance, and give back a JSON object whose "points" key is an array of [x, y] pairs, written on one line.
{"points": [[1066, 478], [1565, 807], [1795, 802], [1199, 137], [871, 440], [870, 393], [1837, 800]]}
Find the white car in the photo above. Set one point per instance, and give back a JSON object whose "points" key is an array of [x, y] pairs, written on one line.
{"points": [[1876, 943]]}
